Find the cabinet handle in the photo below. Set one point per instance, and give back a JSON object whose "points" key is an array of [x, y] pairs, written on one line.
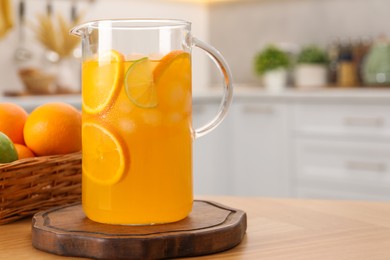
{"points": [[366, 166], [364, 121], [265, 110]]}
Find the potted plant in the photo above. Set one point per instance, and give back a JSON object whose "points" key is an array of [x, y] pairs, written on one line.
{"points": [[311, 68], [271, 63]]}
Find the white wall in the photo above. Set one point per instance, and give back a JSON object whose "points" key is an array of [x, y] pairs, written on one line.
{"points": [[196, 13], [241, 28], [238, 28]]}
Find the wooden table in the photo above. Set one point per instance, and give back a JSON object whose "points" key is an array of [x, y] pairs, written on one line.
{"points": [[285, 229]]}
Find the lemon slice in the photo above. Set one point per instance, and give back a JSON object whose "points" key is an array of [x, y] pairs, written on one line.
{"points": [[104, 158], [101, 81], [139, 85]]}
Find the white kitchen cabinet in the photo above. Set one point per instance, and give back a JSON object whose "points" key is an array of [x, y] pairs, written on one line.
{"points": [[351, 167], [260, 149], [301, 146], [211, 153], [341, 151], [323, 144], [247, 154], [343, 121]]}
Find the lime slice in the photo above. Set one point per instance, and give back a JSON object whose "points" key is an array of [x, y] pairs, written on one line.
{"points": [[139, 85], [104, 158], [101, 81]]}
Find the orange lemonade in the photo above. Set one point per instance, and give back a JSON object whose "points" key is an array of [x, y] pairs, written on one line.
{"points": [[137, 138]]}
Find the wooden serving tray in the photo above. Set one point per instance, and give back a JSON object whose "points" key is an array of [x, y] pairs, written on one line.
{"points": [[210, 228]]}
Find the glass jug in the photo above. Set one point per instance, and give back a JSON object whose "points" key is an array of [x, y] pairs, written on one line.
{"points": [[137, 119]]}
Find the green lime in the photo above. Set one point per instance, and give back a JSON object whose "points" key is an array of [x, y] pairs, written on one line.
{"points": [[139, 84], [7, 149]]}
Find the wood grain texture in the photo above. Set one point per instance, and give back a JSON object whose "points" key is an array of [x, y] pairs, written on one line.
{"points": [[210, 228], [278, 229]]}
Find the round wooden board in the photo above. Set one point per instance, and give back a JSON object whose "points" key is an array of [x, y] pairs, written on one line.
{"points": [[210, 228]]}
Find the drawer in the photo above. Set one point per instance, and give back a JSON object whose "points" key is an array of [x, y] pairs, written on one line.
{"points": [[342, 162], [337, 119]]}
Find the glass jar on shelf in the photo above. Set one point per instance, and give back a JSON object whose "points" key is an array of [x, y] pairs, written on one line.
{"points": [[376, 66]]}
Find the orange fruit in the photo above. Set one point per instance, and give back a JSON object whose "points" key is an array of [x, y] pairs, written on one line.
{"points": [[101, 81], [12, 120], [23, 151], [53, 128], [104, 156]]}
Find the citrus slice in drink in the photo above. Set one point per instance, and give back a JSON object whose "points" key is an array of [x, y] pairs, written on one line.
{"points": [[101, 81], [104, 158], [172, 77], [171, 62], [139, 85]]}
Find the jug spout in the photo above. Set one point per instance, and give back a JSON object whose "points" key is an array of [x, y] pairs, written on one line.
{"points": [[79, 30]]}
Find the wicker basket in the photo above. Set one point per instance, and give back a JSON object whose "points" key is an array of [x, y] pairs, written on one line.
{"points": [[34, 184], [38, 82]]}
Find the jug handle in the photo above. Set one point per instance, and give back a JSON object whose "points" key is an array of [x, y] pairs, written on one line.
{"points": [[223, 67]]}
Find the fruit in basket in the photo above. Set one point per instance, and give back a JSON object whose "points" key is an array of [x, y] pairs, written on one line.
{"points": [[12, 120], [7, 149], [23, 151], [53, 128]]}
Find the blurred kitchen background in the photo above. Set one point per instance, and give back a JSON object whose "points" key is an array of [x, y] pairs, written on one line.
{"points": [[311, 112]]}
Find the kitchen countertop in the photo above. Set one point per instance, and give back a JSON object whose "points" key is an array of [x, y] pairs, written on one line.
{"points": [[328, 94], [277, 229], [246, 92], [32, 101]]}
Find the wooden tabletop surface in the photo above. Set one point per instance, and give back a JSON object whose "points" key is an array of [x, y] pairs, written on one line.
{"points": [[285, 229]]}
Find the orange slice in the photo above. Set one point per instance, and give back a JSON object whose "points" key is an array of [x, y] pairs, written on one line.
{"points": [[139, 85], [104, 157], [172, 77], [175, 58], [101, 81]]}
